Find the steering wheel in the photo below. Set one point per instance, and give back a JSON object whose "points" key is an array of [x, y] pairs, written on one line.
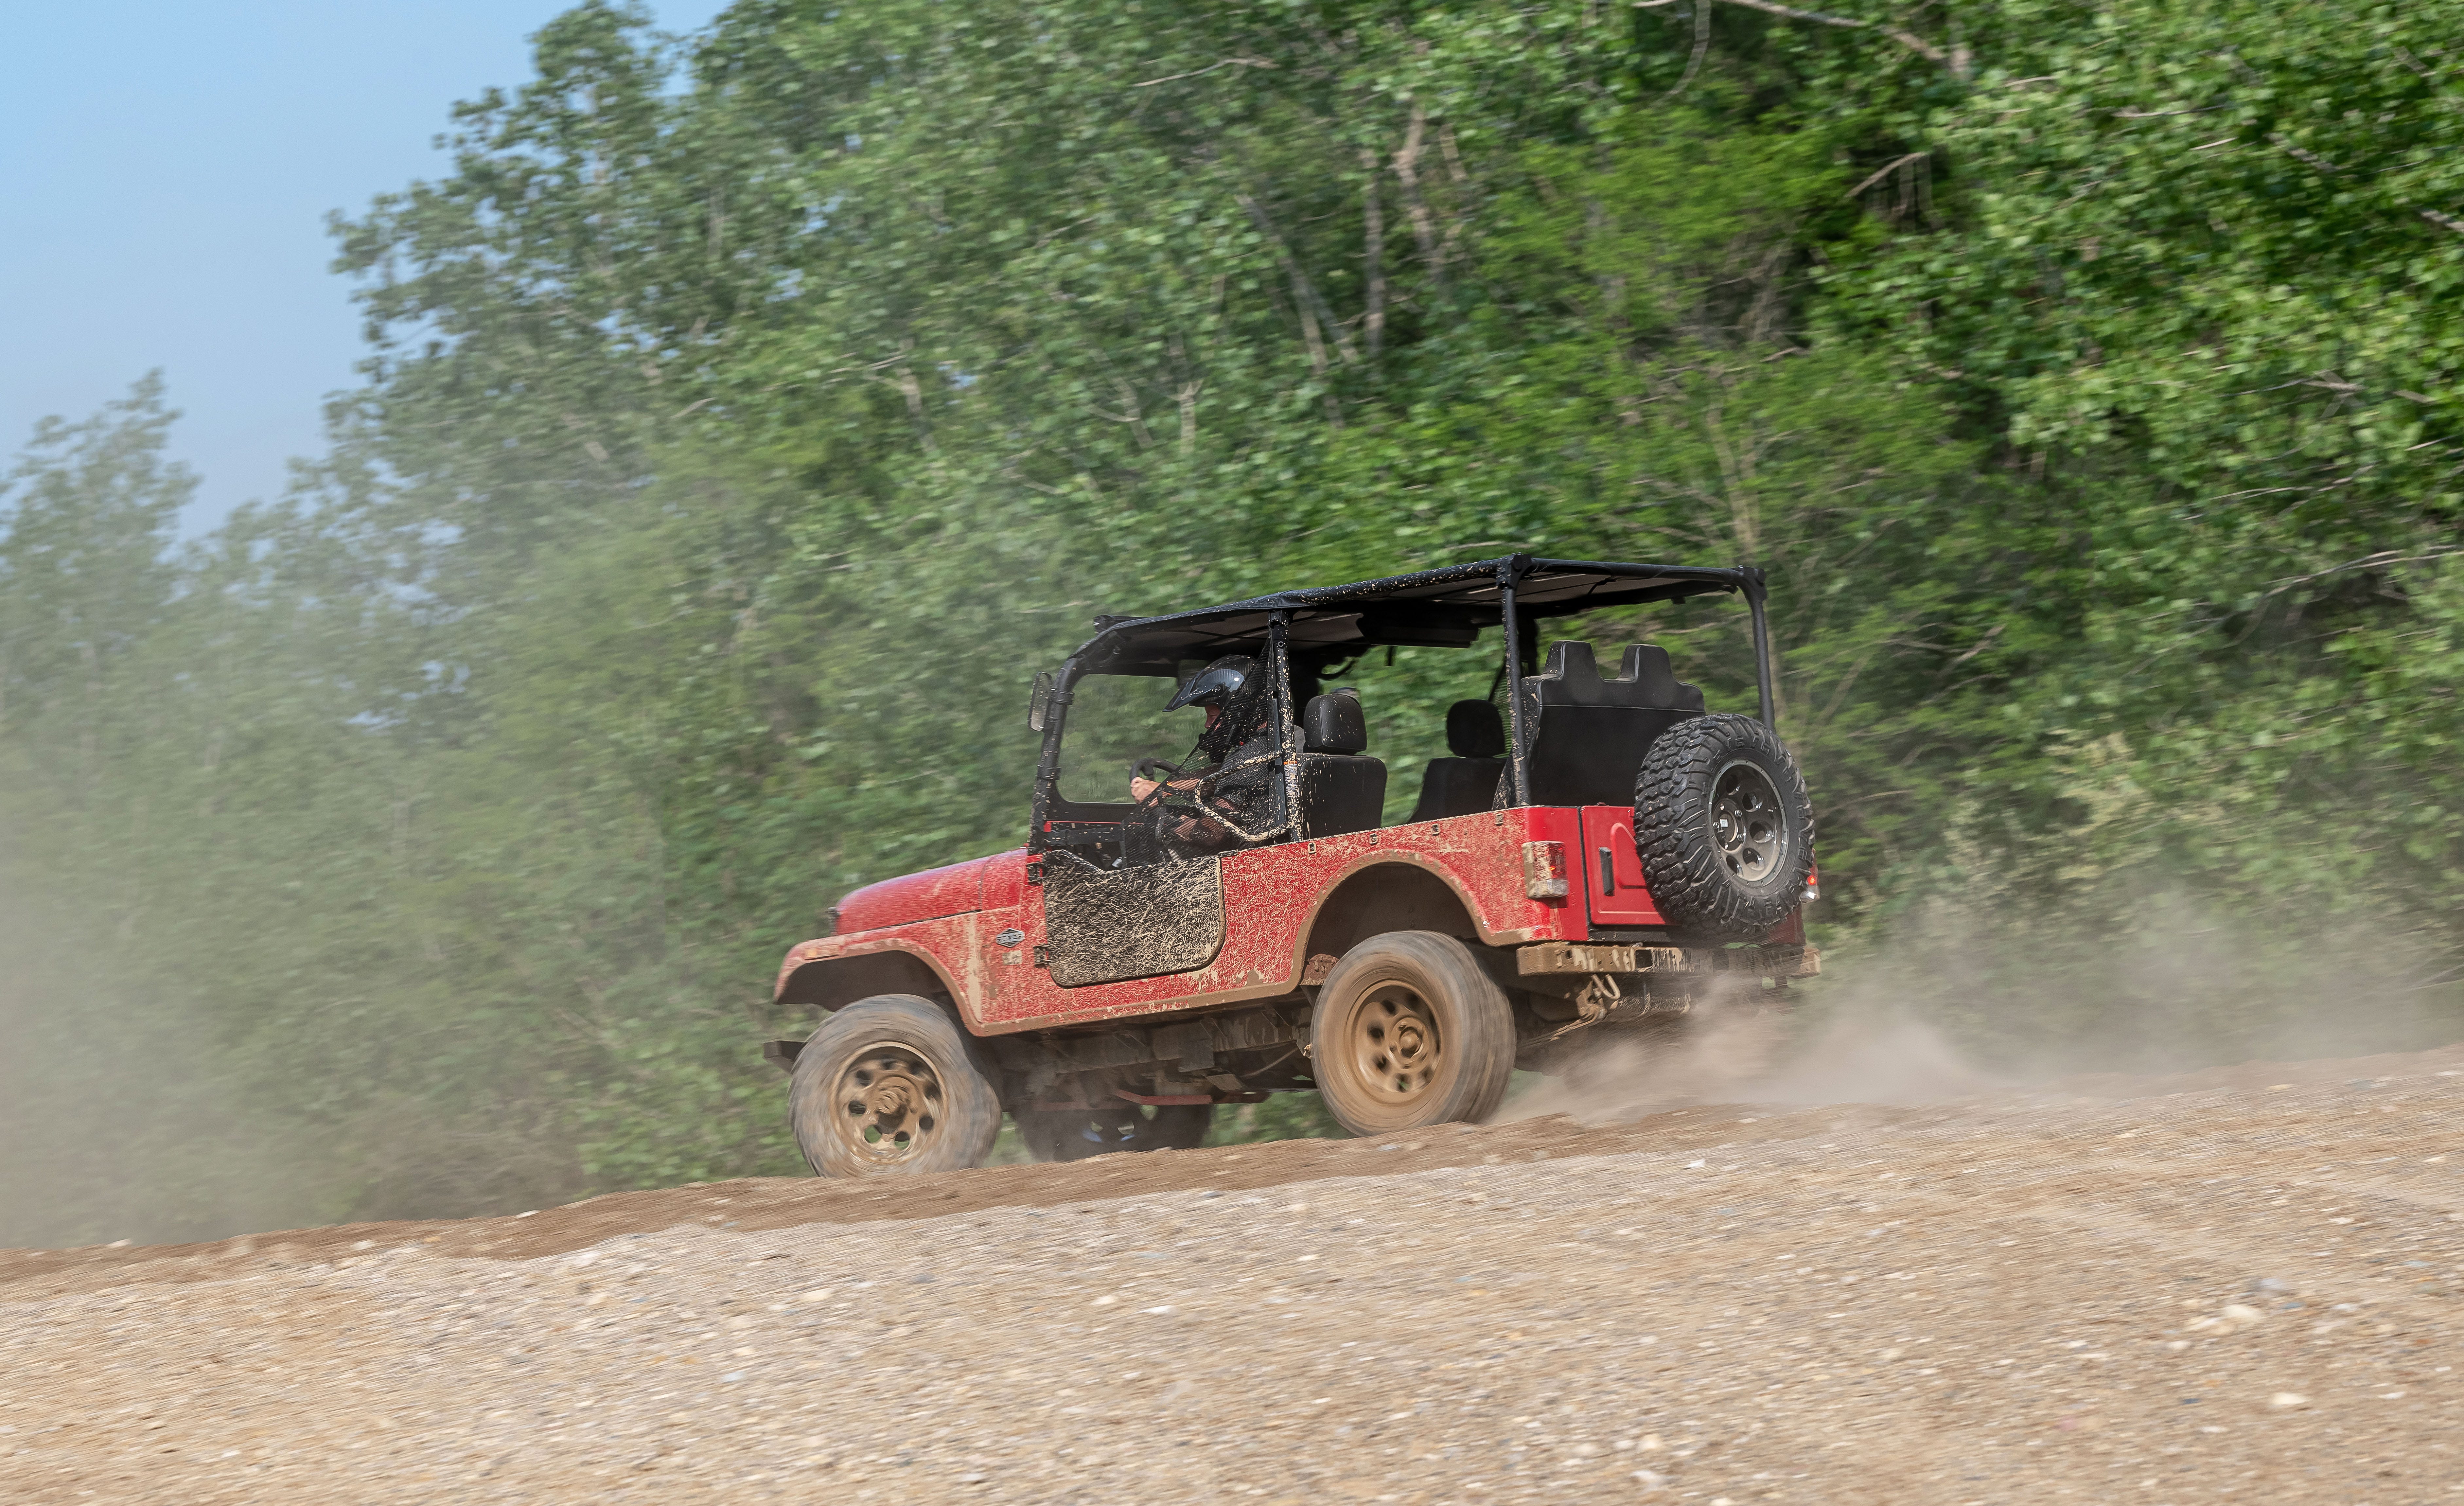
{"points": [[1142, 838]]}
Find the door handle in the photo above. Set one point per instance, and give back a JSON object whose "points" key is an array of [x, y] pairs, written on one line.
{"points": [[1608, 872]]}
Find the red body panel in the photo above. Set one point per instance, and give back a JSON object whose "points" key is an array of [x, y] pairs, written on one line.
{"points": [[956, 889], [1612, 869], [952, 918]]}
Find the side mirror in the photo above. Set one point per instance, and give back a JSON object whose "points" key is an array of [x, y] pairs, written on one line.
{"points": [[1041, 701]]}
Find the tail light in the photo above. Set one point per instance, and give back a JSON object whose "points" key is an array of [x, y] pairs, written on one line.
{"points": [[1544, 869]]}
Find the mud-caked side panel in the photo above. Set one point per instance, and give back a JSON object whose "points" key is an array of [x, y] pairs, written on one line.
{"points": [[1272, 898], [1106, 925]]}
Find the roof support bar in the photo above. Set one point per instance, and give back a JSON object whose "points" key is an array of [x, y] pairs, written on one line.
{"points": [[1047, 761], [1279, 676], [1755, 591], [1509, 570]]}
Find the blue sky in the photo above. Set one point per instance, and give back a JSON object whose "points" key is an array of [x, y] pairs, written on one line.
{"points": [[164, 174]]}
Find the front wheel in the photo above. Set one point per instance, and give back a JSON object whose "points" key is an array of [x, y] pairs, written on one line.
{"points": [[1410, 1030], [892, 1086]]}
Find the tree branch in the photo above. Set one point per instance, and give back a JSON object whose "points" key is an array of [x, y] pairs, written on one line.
{"points": [[1372, 215], [1228, 62], [1314, 314], [1702, 47], [1956, 59], [1885, 170], [1407, 173]]}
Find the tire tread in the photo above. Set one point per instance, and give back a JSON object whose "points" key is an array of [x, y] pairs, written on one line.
{"points": [[1672, 828], [1485, 1035], [967, 1069]]}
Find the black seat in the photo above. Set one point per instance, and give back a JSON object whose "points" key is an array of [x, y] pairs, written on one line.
{"points": [[1465, 783], [1340, 790], [1588, 735]]}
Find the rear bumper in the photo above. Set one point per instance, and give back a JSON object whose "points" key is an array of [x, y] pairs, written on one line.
{"points": [[1768, 961]]}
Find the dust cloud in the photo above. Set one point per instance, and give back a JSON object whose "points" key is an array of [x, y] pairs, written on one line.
{"points": [[115, 1122], [1759, 1056], [1959, 1002]]}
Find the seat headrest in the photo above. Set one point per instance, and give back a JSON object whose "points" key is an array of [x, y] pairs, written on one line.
{"points": [[1334, 724], [1572, 678], [1475, 729]]}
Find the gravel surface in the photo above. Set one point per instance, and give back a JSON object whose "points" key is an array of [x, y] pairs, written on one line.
{"points": [[2242, 1285]]}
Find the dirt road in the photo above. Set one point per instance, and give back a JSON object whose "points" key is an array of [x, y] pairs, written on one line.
{"points": [[2242, 1285]]}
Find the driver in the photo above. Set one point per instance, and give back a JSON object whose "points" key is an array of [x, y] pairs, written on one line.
{"points": [[1240, 783]]}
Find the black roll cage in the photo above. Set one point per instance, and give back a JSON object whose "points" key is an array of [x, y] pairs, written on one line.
{"points": [[1444, 608]]}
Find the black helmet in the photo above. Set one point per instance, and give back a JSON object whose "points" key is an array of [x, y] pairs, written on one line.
{"points": [[1230, 682], [1234, 687]]}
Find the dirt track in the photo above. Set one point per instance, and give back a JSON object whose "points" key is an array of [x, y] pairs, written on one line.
{"points": [[2240, 1285]]}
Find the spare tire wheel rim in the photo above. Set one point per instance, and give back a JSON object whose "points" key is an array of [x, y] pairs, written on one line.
{"points": [[888, 1105], [1748, 826], [1394, 1049]]}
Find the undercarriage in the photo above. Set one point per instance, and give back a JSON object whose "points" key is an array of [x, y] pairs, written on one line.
{"points": [[1560, 991]]}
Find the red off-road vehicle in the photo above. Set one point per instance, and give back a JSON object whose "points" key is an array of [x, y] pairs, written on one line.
{"points": [[1597, 858]]}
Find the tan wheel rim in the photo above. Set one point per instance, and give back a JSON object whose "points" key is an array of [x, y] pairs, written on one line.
{"points": [[888, 1106], [1391, 1048]]}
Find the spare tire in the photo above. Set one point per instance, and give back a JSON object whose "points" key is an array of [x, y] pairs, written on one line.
{"points": [[1724, 827]]}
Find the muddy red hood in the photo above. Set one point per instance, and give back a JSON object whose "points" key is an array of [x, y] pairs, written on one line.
{"points": [[955, 890]]}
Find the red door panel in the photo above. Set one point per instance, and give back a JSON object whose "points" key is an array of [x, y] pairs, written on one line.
{"points": [[1612, 869]]}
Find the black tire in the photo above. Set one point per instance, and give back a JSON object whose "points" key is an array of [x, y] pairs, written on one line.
{"points": [[1179, 1126], [1043, 1132], [892, 1086], [1410, 1030], [1076, 1134], [1720, 869]]}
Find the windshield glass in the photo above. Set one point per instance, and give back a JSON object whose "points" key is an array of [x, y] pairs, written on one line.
{"points": [[1114, 721]]}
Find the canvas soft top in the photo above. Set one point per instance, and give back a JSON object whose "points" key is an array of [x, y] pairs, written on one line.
{"points": [[1443, 607]]}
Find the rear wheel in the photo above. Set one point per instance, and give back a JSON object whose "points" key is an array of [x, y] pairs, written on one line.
{"points": [[892, 1086], [1410, 1030]]}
